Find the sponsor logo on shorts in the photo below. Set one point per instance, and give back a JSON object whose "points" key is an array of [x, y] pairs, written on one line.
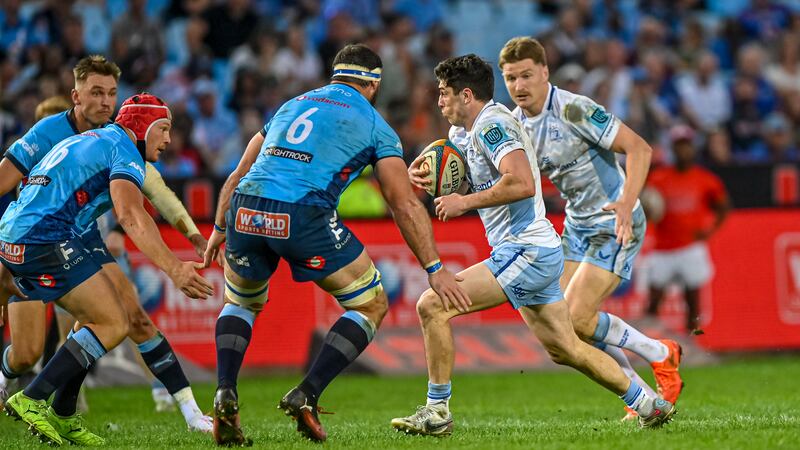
{"points": [[38, 180], [296, 155], [47, 280], [315, 262], [12, 253], [260, 223]]}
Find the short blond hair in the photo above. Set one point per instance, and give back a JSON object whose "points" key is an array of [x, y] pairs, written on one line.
{"points": [[52, 105], [95, 64], [522, 47]]}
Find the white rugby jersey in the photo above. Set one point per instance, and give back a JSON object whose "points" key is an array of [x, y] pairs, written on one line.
{"points": [[572, 137], [494, 134]]}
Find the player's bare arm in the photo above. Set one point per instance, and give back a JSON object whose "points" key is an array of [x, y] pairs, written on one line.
{"points": [[224, 200], [516, 183], [143, 231], [10, 176], [171, 209], [638, 154], [414, 224]]}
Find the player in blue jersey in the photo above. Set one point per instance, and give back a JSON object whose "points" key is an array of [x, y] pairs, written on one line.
{"points": [[526, 259], [575, 142], [94, 98], [287, 187], [80, 179]]}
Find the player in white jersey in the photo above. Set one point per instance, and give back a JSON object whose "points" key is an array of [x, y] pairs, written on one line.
{"points": [[575, 142], [526, 259]]}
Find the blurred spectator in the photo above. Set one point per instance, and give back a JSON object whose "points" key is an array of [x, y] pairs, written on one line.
{"points": [[695, 206], [745, 125], [230, 24], [751, 61], [568, 35], [718, 148], [13, 30], [213, 124], [440, 45], [231, 152], [364, 12], [692, 43], [615, 74], [341, 31], [658, 65], [426, 14], [295, 65], [246, 91], [647, 115], [704, 95], [174, 161], [179, 15], [398, 64], [779, 144], [784, 74], [46, 25], [72, 42], [764, 20], [141, 34]]}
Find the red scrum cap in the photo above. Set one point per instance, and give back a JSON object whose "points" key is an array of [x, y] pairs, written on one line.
{"points": [[140, 112]]}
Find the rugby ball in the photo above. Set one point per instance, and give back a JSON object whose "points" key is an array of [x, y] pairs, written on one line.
{"points": [[447, 167]]}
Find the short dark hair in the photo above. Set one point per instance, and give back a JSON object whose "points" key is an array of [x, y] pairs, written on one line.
{"points": [[95, 64], [359, 55], [468, 71]]}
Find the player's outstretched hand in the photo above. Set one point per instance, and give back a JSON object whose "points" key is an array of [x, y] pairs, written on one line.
{"points": [[212, 252], [190, 282], [417, 174], [624, 222], [445, 284]]}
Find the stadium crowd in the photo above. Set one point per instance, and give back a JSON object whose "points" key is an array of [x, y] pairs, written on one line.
{"points": [[728, 68]]}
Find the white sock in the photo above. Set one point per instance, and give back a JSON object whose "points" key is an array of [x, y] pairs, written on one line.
{"points": [[622, 359], [187, 403], [638, 400], [620, 334], [3, 381]]}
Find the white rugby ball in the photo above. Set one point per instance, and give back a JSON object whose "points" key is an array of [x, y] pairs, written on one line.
{"points": [[447, 166]]}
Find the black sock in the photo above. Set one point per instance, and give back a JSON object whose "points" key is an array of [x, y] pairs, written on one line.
{"points": [[161, 360], [343, 343], [75, 356], [65, 402], [233, 335]]}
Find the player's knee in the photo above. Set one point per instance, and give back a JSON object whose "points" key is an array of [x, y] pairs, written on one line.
{"points": [[362, 291], [375, 309], [140, 327], [22, 358], [251, 298], [582, 321], [429, 305], [559, 353]]}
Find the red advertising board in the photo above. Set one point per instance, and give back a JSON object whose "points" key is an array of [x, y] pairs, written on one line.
{"points": [[753, 302]]}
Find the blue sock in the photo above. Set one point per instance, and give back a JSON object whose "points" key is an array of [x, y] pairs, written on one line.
{"points": [[601, 330], [439, 393], [347, 338], [233, 333], [5, 367], [163, 363], [72, 360], [634, 397]]}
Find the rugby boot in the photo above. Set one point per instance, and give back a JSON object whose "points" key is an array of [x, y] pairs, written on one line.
{"points": [[227, 429], [661, 415], [305, 411], [163, 401], [73, 430], [431, 420], [668, 380], [34, 413]]}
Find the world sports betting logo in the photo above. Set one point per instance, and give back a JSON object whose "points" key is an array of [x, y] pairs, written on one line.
{"points": [[261, 223], [12, 253]]}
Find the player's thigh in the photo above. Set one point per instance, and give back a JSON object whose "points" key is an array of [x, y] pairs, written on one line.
{"points": [[551, 324], [95, 301], [569, 271], [126, 292], [28, 322], [589, 286], [480, 285]]}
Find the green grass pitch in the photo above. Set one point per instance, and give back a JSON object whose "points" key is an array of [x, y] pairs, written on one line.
{"points": [[741, 404]]}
